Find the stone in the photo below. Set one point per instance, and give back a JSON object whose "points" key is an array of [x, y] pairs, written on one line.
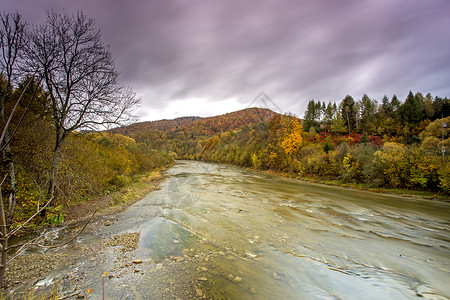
{"points": [[199, 292], [203, 279], [252, 290], [276, 276], [237, 279], [204, 269], [230, 276], [176, 241], [159, 266], [137, 261]]}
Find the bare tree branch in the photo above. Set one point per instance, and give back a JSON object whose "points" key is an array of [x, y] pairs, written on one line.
{"points": [[35, 243], [80, 76]]}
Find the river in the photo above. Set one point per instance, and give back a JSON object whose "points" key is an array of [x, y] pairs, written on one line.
{"points": [[221, 232]]}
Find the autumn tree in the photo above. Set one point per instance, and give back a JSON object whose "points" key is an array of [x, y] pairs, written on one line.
{"points": [[80, 77], [292, 135]]}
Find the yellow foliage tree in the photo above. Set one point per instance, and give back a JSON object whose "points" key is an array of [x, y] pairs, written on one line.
{"points": [[292, 136]]}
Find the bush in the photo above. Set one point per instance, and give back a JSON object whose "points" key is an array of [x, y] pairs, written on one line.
{"points": [[120, 181]]}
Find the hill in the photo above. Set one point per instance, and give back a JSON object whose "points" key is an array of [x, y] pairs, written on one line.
{"points": [[200, 126], [162, 125]]}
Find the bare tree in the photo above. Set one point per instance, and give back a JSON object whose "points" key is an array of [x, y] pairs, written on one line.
{"points": [[80, 76], [12, 41]]}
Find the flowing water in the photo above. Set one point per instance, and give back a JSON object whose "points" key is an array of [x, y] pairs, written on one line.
{"points": [[230, 233]]}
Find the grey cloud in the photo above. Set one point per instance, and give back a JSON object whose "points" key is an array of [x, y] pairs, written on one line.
{"points": [[293, 50]]}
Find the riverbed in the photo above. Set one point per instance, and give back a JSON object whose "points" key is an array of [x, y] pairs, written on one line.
{"points": [[221, 232]]}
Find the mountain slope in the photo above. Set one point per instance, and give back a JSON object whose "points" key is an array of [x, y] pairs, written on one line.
{"points": [[200, 126]]}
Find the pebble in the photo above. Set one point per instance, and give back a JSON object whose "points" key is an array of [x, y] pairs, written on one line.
{"points": [[203, 269], [252, 290], [199, 292], [137, 261], [230, 276], [159, 266], [206, 258], [203, 279], [175, 241], [237, 279], [275, 275]]}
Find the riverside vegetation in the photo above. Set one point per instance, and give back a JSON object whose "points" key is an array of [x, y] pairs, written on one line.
{"points": [[392, 145]]}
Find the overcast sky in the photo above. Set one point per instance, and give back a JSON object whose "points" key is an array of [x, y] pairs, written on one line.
{"points": [[209, 57]]}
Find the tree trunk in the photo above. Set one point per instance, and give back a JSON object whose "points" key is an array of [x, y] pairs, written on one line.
{"points": [[3, 243], [55, 164], [13, 190], [8, 159]]}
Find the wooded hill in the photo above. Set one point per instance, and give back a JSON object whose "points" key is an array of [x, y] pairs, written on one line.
{"points": [[197, 125]]}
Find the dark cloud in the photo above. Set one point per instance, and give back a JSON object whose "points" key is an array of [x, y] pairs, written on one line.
{"points": [[170, 51]]}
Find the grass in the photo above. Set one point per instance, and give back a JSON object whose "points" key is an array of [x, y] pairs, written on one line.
{"points": [[360, 186], [114, 202], [381, 190]]}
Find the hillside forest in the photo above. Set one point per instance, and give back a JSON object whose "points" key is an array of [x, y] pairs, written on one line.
{"points": [[391, 144]]}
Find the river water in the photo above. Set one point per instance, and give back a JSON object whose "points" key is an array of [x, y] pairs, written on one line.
{"points": [[229, 233]]}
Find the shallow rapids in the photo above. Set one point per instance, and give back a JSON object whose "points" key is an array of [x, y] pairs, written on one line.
{"points": [[222, 232]]}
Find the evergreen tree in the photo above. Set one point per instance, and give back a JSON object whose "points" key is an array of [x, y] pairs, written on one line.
{"points": [[428, 106], [348, 112], [329, 115], [441, 108], [368, 111], [395, 106], [411, 111], [385, 110], [312, 114]]}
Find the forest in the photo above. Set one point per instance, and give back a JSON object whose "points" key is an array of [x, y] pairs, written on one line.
{"points": [[393, 144]]}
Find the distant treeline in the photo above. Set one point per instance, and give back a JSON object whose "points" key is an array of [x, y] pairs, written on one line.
{"points": [[390, 117]]}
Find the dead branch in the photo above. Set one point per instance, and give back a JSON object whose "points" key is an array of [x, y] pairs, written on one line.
{"points": [[11, 233], [29, 244]]}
